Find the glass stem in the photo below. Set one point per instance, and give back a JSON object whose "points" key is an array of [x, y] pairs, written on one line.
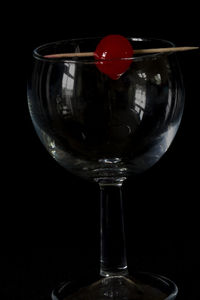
{"points": [[113, 259]]}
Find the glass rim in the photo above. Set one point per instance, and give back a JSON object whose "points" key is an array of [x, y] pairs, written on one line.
{"points": [[171, 283], [90, 60]]}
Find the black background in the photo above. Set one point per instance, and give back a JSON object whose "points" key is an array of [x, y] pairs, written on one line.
{"points": [[44, 205]]}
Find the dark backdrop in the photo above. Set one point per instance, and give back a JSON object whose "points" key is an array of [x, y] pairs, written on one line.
{"points": [[32, 272], [44, 205]]}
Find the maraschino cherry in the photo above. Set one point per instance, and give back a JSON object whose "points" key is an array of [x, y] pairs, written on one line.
{"points": [[113, 55]]}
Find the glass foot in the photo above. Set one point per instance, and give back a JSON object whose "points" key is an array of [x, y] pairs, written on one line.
{"points": [[143, 286]]}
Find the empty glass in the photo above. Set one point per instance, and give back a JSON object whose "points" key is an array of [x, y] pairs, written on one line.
{"points": [[105, 130]]}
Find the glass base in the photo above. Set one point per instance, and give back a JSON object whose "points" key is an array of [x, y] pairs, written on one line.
{"points": [[141, 286]]}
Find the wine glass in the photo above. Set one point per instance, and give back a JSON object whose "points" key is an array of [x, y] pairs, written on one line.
{"points": [[105, 130]]}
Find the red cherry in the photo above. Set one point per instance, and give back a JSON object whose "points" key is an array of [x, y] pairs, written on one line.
{"points": [[111, 54]]}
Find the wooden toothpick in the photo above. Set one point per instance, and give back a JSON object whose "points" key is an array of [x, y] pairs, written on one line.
{"points": [[139, 51]]}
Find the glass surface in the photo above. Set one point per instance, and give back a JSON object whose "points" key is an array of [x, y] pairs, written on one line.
{"points": [[146, 286], [99, 128], [105, 130]]}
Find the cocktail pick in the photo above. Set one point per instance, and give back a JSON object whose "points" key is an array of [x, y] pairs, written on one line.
{"points": [[114, 54], [138, 51]]}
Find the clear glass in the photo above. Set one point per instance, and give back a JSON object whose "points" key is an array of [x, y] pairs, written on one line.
{"points": [[140, 286], [105, 130]]}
